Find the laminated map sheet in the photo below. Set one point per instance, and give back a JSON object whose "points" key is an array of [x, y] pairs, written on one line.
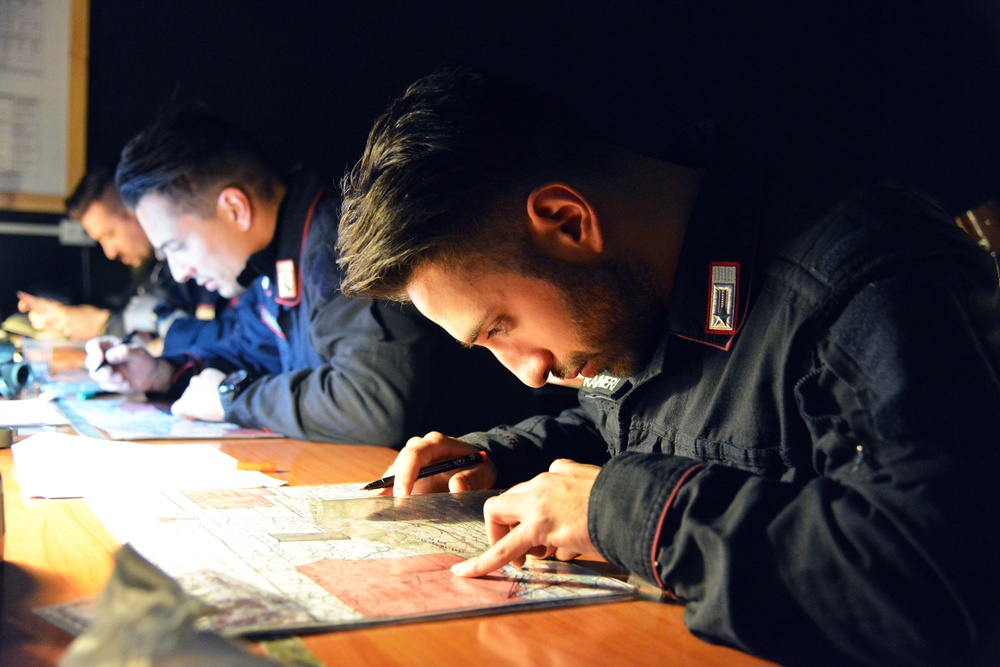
{"points": [[293, 559], [126, 419]]}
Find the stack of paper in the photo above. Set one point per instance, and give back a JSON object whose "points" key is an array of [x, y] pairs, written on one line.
{"points": [[58, 465], [30, 412]]}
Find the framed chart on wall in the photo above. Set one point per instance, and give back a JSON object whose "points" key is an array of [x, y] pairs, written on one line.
{"points": [[43, 101]]}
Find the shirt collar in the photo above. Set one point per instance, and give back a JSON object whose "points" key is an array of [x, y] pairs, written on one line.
{"points": [[720, 241], [288, 229]]}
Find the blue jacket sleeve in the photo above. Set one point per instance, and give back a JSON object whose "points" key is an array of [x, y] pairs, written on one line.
{"points": [[237, 339], [189, 332]]}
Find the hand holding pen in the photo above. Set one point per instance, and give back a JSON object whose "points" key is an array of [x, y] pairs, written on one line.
{"points": [[122, 369], [423, 451], [124, 341], [433, 469]]}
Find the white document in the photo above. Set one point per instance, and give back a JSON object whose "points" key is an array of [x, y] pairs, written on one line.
{"points": [[58, 465], [30, 412]]}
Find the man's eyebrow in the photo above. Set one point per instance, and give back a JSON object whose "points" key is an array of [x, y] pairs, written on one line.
{"points": [[163, 246], [474, 333]]}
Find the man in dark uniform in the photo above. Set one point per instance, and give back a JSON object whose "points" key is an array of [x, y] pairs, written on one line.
{"points": [[789, 413], [303, 361]]}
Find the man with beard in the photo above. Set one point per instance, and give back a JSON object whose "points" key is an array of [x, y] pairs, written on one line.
{"points": [[787, 420]]}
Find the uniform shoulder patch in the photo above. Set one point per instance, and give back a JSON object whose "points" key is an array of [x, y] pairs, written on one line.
{"points": [[723, 295]]}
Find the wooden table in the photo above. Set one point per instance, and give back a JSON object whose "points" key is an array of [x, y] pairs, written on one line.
{"points": [[57, 551]]}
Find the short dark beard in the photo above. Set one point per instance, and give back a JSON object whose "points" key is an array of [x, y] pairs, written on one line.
{"points": [[614, 306]]}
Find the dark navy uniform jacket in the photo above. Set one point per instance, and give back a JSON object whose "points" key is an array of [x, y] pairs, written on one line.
{"points": [[809, 462], [333, 369]]}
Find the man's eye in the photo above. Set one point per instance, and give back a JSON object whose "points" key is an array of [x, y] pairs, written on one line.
{"points": [[499, 327]]}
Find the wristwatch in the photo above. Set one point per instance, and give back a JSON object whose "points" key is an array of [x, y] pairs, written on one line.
{"points": [[232, 385]]}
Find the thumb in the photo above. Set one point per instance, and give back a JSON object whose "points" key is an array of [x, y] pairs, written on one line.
{"points": [[118, 354], [460, 482]]}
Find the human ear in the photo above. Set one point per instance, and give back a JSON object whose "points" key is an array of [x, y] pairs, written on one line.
{"points": [[233, 205], [563, 223]]}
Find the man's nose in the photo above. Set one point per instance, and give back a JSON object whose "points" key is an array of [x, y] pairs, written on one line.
{"points": [[531, 368], [180, 271]]}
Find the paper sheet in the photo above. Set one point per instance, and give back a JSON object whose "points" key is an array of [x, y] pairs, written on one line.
{"points": [[58, 465], [30, 412]]}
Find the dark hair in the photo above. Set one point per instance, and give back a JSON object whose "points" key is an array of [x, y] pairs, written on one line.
{"points": [[96, 185], [441, 166], [187, 155]]}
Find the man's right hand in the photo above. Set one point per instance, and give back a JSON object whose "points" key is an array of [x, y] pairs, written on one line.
{"points": [[77, 323], [128, 370], [434, 448]]}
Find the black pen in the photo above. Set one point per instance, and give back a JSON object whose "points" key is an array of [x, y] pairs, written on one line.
{"points": [[125, 341], [427, 471]]}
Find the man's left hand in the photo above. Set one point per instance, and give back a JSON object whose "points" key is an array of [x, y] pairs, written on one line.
{"points": [[201, 398], [545, 516]]}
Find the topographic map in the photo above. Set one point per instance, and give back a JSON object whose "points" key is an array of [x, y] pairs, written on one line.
{"points": [[321, 557]]}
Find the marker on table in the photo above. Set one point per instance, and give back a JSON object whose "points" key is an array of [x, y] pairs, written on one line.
{"points": [[445, 466], [259, 466], [125, 341]]}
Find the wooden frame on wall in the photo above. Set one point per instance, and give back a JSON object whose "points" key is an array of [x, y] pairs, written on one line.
{"points": [[40, 107]]}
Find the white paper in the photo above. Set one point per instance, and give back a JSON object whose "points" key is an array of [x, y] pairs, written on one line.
{"points": [[30, 412], [59, 465]]}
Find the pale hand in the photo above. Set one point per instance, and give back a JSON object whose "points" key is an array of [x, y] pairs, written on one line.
{"points": [[129, 370], [201, 398], [78, 323], [434, 448], [545, 516]]}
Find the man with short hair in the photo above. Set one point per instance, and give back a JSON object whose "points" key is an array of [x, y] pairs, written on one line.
{"points": [[156, 304], [788, 418], [303, 361]]}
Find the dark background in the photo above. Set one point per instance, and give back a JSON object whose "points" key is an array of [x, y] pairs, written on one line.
{"points": [[835, 90]]}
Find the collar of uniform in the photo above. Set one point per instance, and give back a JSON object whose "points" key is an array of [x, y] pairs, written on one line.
{"points": [[723, 229], [288, 229]]}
